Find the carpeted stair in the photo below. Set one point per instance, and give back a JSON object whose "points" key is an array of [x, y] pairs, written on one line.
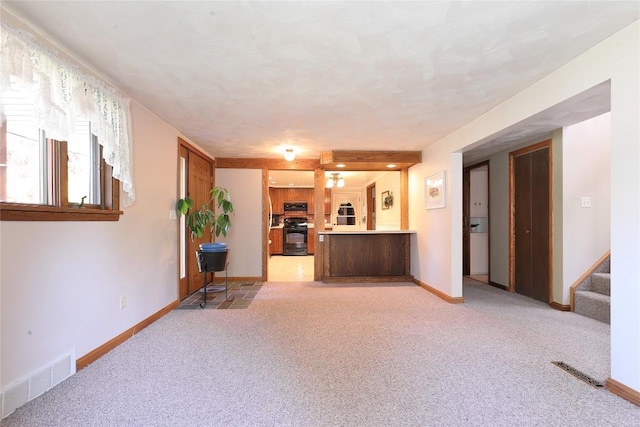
{"points": [[593, 295]]}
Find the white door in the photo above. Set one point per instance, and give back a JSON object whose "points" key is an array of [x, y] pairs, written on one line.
{"points": [[346, 211]]}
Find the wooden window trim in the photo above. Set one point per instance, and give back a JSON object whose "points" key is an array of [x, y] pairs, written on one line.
{"points": [[109, 210], [20, 212]]}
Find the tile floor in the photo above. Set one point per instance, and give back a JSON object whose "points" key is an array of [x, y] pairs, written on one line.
{"points": [[290, 268], [239, 295]]}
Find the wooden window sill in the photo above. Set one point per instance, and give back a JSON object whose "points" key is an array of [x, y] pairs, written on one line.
{"points": [[19, 212]]}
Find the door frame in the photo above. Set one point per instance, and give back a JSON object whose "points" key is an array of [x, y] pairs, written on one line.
{"points": [[371, 206], [512, 213], [466, 218], [185, 150]]}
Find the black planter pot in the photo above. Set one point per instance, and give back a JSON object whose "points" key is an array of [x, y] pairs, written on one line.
{"points": [[212, 261]]}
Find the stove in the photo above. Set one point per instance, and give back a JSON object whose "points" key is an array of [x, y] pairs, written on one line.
{"points": [[294, 236]]}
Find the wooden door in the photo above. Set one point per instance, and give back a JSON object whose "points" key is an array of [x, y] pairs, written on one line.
{"points": [[531, 225], [466, 221], [327, 201], [195, 180], [371, 207], [200, 183], [475, 194]]}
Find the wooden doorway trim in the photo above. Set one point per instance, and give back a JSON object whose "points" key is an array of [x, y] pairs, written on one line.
{"points": [[193, 279], [512, 220], [371, 205], [466, 217]]}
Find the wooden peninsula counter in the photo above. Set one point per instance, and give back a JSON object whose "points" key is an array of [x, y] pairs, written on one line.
{"points": [[366, 255]]}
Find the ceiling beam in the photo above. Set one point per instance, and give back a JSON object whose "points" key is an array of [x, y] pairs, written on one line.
{"points": [[369, 160], [276, 164]]}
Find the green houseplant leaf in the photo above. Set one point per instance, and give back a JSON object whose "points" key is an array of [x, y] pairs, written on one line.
{"points": [[206, 218]]}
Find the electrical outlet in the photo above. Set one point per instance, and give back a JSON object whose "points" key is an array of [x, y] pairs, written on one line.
{"points": [[123, 302]]}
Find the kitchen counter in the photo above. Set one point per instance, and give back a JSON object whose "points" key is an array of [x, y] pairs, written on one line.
{"points": [[366, 255], [368, 232], [309, 225]]}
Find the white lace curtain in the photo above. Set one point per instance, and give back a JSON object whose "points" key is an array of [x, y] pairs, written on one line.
{"points": [[60, 94]]}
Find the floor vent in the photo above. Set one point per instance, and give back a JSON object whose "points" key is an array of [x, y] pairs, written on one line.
{"points": [[40, 381], [580, 375]]}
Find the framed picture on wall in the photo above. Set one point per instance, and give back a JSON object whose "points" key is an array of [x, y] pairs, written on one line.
{"points": [[387, 201], [435, 191]]}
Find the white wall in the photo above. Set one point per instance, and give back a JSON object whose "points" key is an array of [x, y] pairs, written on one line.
{"points": [[61, 281], [586, 173], [499, 218], [578, 151], [388, 219], [432, 245], [615, 59], [245, 238]]}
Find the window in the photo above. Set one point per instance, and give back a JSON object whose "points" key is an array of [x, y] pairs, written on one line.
{"points": [[83, 167], [45, 179], [59, 175]]}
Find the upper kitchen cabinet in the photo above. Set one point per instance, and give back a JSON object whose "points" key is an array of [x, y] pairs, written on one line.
{"points": [[479, 193], [311, 200], [277, 202], [280, 196]]}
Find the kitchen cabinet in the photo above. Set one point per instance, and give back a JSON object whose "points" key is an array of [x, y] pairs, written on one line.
{"points": [[311, 240], [479, 193], [281, 195], [311, 200], [277, 202], [275, 235]]}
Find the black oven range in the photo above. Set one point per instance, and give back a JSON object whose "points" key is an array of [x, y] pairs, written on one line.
{"points": [[294, 236]]}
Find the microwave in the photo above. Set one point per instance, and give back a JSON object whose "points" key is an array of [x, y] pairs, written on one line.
{"points": [[295, 206]]}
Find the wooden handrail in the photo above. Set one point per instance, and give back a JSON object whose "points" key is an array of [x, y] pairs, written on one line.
{"points": [[589, 272]]}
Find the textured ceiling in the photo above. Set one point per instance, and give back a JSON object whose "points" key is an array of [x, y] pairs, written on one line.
{"points": [[242, 79]]}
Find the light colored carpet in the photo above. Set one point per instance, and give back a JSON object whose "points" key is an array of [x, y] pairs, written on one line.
{"points": [[312, 354]]}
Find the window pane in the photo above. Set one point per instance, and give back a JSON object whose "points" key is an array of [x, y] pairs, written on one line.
{"points": [[25, 165], [83, 166]]}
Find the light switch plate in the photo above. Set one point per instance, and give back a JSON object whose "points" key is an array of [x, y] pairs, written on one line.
{"points": [[585, 202]]}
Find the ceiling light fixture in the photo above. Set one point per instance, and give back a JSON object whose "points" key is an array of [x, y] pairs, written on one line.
{"points": [[335, 181], [391, 165], [289, 154]]}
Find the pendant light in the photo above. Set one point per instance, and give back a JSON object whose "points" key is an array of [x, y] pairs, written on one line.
{"points": [[289, 154], [335, 181]]}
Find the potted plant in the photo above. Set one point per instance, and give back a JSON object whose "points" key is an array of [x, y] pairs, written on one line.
{"points": [[205, 217], [212, 256]]}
